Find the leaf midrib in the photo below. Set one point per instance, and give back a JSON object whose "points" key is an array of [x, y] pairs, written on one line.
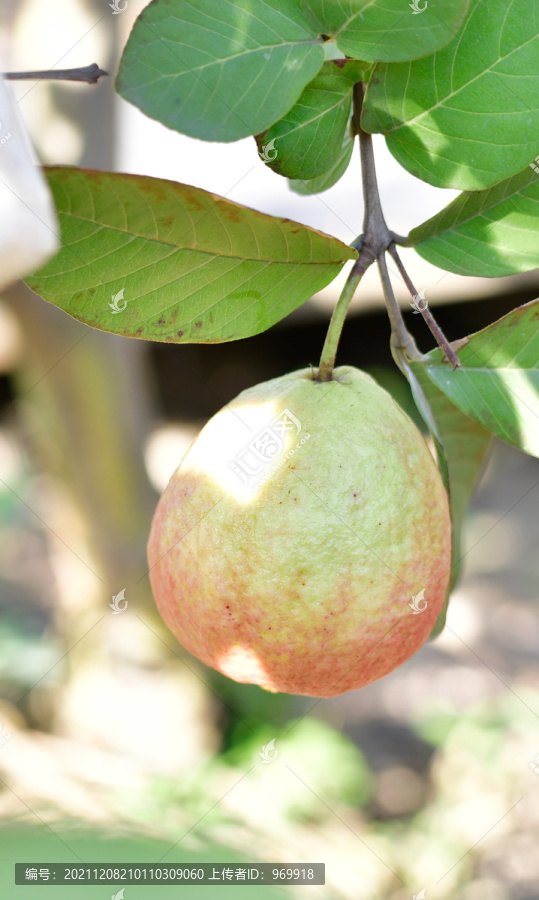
{"points": [[161, 241], [480, 213], [464, 87], [222, 61], [343, 99], [492, 371]]}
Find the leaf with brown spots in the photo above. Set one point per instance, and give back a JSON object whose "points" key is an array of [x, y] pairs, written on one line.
{"points": [[162, 261]]}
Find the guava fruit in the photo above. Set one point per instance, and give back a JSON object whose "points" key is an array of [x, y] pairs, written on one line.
{"points": [[288, 546]]}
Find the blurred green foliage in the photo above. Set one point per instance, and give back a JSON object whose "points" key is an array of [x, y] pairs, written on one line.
{"points": [[328, 761]]}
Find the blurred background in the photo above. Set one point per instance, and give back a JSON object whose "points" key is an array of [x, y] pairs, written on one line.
{"points": [[424, 781]]}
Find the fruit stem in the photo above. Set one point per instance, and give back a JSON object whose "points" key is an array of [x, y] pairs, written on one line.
{"points": [[329, 350]]}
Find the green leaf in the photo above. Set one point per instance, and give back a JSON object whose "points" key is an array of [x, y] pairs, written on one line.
{"points": [[461, 446], [308, 140], [498, 384], [490, 232], [386, 30], [332, 176], [218, 69], [179, 264], [468, 116]]}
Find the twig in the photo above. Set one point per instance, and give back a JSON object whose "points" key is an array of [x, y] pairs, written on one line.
{"points": [[372, 244], [401, 339], [89, 74], [435, 329], [376, 236]]}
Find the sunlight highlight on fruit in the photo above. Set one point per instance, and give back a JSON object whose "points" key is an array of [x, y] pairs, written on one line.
{"points": [[243, 665], [242, 446]]}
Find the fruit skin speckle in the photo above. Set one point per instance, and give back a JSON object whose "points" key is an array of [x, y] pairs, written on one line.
{"points": [[295, 587]]}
